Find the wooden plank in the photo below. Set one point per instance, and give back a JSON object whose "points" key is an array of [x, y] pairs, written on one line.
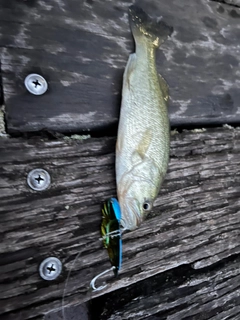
{"points": [[82, 49], [195, 221], [234, 3], [179, 294]]}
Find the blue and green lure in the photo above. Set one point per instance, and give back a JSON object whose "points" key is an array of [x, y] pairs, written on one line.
{"points": [[111, 237], [111, 233]]}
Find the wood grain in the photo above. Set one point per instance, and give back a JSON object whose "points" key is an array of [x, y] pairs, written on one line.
{"points": [[233, 3], [178, 294], [81, 48], [195, 221]]}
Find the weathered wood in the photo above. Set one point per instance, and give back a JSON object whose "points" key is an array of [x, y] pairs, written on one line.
{"points": [[81, 48], [234, 3], [195, 221], [179, 294]]}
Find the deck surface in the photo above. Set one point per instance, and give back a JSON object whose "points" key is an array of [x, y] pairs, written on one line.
{"points": [[194, 225], [183, 262], [82, 48]]}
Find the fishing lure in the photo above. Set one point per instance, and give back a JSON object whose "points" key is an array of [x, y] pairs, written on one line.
{"points": [[111, 237]]}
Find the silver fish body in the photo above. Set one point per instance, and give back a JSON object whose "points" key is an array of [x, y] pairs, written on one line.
{"points": [[143, 141]]}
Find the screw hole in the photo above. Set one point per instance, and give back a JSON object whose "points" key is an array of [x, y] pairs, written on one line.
{"points": [[37, 83], [39, 179], [50, 269]]}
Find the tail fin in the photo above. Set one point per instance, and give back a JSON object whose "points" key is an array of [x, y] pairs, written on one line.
{"points": [[141, 25]]}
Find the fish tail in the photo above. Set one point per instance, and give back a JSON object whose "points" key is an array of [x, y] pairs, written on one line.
{"points": [[142, 26]]}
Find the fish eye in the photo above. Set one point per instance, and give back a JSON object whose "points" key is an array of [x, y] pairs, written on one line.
{"points": [[147, 206]]}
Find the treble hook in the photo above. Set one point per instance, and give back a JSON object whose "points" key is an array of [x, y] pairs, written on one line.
{"points": [[92, 283]]}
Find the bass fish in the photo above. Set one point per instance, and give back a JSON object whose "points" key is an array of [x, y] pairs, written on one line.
{"points": [[143, 140]]}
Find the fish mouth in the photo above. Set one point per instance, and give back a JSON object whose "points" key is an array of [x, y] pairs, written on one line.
{"points": [[131, 215]]}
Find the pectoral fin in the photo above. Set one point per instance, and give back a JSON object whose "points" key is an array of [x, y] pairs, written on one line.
{"points": [[164, 87], [130, 67], [142, 147]]}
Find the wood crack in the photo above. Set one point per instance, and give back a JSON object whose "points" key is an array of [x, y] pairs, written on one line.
{"points": [[231, 3]]}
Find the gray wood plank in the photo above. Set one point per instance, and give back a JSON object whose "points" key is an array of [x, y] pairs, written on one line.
{"points": [[195, 220], [234, 3], [179, 294], [81, 48]]}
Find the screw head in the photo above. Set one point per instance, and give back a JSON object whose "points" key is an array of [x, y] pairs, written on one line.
{"points": [[38, 179], [50, 268], [35, 84]]}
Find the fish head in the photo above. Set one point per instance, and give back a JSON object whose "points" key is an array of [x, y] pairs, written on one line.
{"points": [[134, 213], [135, 205]]}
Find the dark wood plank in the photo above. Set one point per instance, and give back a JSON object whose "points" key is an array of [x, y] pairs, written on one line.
{"points": [[195, 221], [179, 294], [233, 3], [81, 48]]}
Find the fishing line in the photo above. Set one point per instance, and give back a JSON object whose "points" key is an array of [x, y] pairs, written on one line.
{"points": [[68, 276], [66, 282], [111, 219], [92, 281]]}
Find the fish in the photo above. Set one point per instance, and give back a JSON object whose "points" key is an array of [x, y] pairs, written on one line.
{"points": [[111, 234], [143, 138]]}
